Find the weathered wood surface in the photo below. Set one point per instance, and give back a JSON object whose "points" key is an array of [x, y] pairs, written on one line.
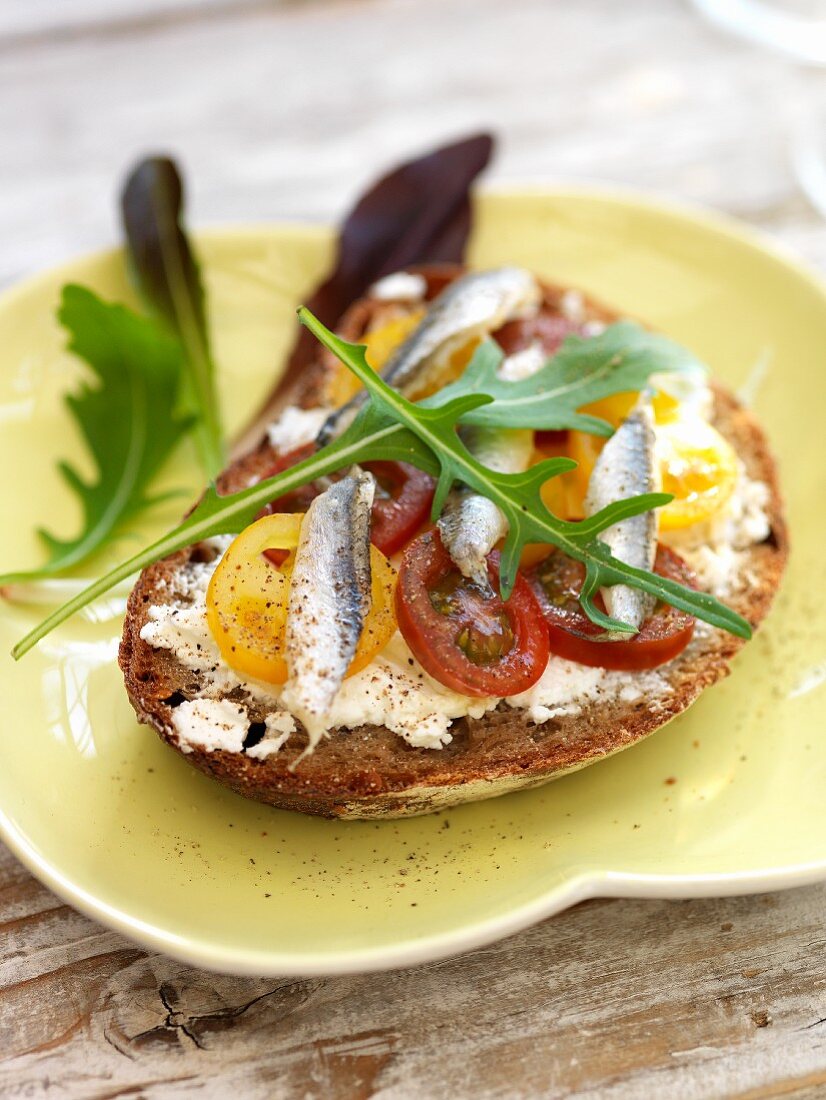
{"points": [[612, 999], [284, 110]]}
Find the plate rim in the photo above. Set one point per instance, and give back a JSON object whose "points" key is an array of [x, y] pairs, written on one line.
{"points": [[584, 884]]}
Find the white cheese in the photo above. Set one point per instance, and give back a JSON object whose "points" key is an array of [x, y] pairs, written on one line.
{"points": [[278, 726], [191, 582], [745, 520], [566, 687], [395, 691], [715, 548], [295, 426], [211, 724], [403, 286], [572, 306], [392, 691], [522, 364]]}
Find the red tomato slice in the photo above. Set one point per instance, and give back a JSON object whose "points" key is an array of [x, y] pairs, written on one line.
{"points": [[298, 500], [557, 582], [549, 330], [404, 496], [471, 642], [402, 503], [552, 440]]}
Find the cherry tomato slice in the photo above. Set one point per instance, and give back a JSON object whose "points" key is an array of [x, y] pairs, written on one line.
{"points": [[557, 582], [402, 503], [248, 600], [472, 642], [552, 440], [547, 329], [404, 495], [298, 500]]}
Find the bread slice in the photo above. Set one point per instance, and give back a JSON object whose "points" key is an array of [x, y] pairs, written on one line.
{"points": [[370, 772]]}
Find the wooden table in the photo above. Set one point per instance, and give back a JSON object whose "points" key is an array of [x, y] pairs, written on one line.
{"points": [[285, 110]]}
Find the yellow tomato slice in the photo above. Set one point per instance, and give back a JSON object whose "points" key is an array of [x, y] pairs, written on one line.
{"points": [[380, 624], [615, 408], [383, 341], [247, 601], [247, 598], [379, 346], [584, 449], [451, 368], [698, 467], [559, 494]]}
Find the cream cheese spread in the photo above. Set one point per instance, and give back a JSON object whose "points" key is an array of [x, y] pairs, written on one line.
{"points": [[523, 364], [393, 691], [715, 548], [565, 688], [211, 724], [295, 427], [214, 724], [402, 286], [572, 306]]}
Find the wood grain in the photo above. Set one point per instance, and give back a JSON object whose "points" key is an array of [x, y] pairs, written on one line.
{"points": [[26, 23], [273, 120], [612, 999], [285, 110]]}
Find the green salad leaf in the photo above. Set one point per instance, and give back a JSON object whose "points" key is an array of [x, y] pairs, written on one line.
{"points": [[126, 417], [424, 434], [585, 369], [168, 277]]}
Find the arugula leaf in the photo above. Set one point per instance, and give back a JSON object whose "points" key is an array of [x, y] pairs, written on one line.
{"points": [[167, 275], [424, 434], [127, 420], [621, 358]]}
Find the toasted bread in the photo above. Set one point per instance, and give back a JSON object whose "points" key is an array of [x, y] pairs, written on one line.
{"points": [[370, 772]]}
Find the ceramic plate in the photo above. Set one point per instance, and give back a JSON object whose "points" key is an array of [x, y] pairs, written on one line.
{"points": [[727, 799]]}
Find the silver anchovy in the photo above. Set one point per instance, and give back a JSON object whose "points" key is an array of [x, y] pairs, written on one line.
{"points": [[470, 525], [474, 305], [329, 599], [625, 468]]}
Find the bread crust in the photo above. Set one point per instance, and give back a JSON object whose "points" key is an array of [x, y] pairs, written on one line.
{"points": [[370, 772]]}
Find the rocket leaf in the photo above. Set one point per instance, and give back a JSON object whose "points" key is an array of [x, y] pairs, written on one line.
{"points": [[621, 358], [126, 419], [424, 434], [168, 278]]}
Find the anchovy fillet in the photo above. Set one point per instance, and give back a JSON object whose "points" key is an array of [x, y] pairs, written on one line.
{"points": [[626, 468], [329, 599], [470, 525], [474, 305]]}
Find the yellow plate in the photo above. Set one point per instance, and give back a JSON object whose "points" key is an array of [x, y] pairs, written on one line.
{"points": [[727, 799]]}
